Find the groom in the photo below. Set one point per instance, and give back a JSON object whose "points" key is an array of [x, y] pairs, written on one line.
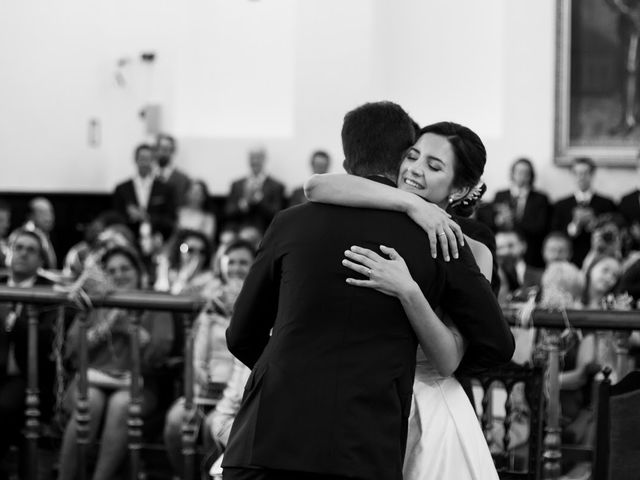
{"points": [[333, 365]]}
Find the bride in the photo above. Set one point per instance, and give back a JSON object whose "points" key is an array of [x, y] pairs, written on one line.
{"points": [[443, 167]]}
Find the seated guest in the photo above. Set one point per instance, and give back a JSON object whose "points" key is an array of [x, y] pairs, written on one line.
{"points": [[607, 238], [147, 204], [109, 374], [194, 214], [576, 215], [77, 254], [212, 361], [186, 269], [42, 217], [174, 178], [320, 163], [25, 256], [587, 353], [255, 199], [5, 224], [556, 248], [221, 418], [519, 276], [525, 209], [630, 282]]}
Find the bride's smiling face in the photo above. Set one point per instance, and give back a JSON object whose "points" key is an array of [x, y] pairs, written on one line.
{"points": [[428, 169]]}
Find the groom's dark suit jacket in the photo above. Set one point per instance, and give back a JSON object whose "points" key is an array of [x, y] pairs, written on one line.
{"points": [[330, 388]]}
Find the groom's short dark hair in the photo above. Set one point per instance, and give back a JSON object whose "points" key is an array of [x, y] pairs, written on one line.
{"points": [[375, 137]]}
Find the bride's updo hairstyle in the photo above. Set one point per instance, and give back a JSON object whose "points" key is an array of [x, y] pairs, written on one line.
{"points": [[470, 156]]}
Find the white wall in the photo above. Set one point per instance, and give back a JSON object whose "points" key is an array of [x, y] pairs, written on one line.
{"points": [[232, 74]]}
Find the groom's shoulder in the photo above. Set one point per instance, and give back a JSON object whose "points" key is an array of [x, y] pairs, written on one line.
{"points": [[312, 212]]}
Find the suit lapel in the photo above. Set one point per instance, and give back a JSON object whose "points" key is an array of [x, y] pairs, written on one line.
{"points": [[131, 192]]}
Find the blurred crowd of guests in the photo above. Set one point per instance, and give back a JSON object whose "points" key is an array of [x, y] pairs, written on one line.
{"points": [[582, 251]]}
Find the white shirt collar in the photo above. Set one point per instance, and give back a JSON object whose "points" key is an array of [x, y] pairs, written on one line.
{"points": [[142, 187], [583, 197], [261, 177], [516, 192], [166, 172]]}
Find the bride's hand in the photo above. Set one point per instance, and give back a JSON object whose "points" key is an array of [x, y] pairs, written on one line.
{"points": [[439, 226], [387, 275]]}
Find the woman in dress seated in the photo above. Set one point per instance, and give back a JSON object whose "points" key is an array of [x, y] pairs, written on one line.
{"points": [[109, 369], [212, 362]]}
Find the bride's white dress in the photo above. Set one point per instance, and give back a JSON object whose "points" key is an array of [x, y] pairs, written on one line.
{"points": [[445, 440]]}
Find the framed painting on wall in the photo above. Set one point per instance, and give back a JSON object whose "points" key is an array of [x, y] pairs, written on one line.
{"points": [[597, 112]]}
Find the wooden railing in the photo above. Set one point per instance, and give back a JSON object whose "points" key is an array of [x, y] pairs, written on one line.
{"points": [[556, 323], [139, 301]]}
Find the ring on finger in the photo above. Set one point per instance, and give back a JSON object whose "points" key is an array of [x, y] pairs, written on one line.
{"points": [[369, 272], [441, 233]]}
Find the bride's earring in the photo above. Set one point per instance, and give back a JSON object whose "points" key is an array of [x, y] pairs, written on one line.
{"points": [[451, 199]]}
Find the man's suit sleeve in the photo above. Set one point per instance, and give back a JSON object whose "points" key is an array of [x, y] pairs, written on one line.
{"points": [[470, 303], [232, 205], [538, 223], [558, 221], [257, 305], [119, 202]]}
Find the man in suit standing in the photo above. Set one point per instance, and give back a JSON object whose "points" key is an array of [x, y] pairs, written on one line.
{"points": [[43, 217], [26, 255], [523, 208], [147, 203], [178, 181], [330, 389], [520, 277], [576, 214], [255, 199], [629, 207], [320, 163]]}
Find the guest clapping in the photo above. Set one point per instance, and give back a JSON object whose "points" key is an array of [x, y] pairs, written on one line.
{"points": [[109, 374]]}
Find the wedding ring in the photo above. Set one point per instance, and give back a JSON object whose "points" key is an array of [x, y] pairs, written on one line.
{"points": [[441, 233], [369, 272]]}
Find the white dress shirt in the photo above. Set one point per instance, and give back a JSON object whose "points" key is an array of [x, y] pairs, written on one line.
{"points": [[142, 187]]}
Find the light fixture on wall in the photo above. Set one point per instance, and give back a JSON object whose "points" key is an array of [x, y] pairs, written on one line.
{"points": [[123, 64], [121, 69]]}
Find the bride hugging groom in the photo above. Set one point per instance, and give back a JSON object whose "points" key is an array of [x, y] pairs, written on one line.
{"points": [[338, 300]]}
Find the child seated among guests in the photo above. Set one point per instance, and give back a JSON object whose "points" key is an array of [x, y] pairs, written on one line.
{"points": [[212, 362]]}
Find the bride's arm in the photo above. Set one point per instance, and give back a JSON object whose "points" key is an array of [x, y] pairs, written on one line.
{"points": [[353, 191], [440, 340]]}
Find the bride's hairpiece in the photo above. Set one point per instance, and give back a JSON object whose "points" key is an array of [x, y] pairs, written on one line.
{"points": [[474, 194]]}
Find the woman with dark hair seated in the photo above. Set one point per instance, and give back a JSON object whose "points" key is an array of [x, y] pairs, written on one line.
{"points": [[109, 373], [212, 361], [185, 268], [195, 213]]}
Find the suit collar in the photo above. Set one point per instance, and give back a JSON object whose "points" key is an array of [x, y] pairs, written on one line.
{"points": [[584, 197], [382, 179]]}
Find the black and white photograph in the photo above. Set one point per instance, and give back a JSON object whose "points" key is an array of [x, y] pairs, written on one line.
{"points": [[320, 240]]}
